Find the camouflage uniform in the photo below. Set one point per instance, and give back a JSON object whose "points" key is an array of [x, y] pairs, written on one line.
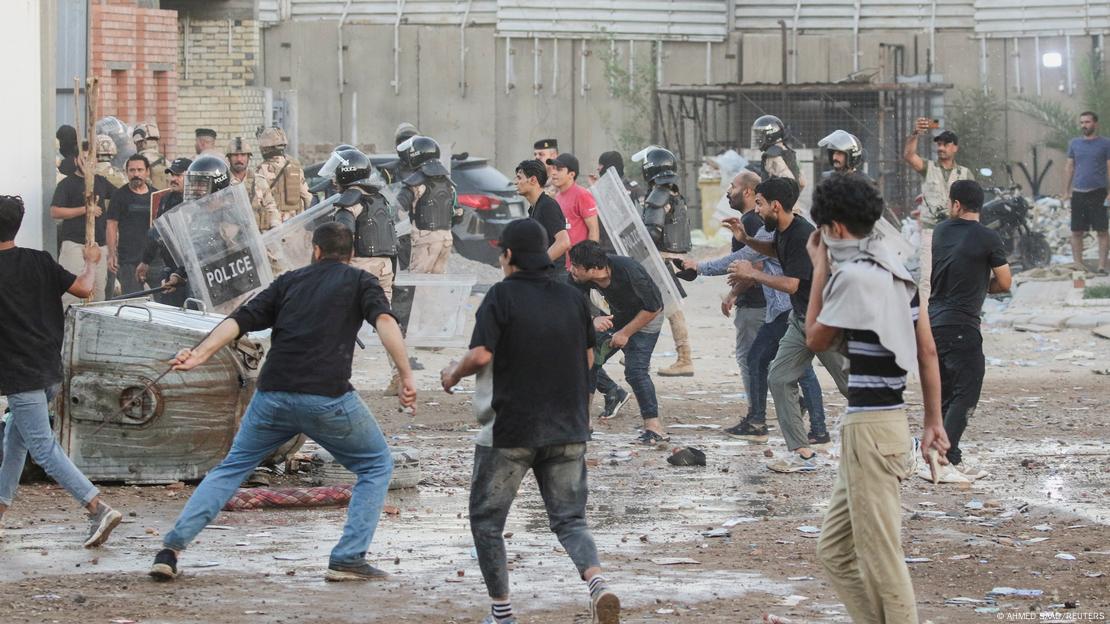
{"points": [[285, 178], [105, 151], [262, 201]]}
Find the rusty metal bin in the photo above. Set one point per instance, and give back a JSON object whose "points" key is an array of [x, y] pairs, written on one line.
{"points": [[179, 429]]}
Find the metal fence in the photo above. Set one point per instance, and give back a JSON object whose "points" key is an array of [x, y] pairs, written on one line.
{"points": [[698, 121]]}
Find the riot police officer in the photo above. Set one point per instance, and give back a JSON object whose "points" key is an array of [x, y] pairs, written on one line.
{"points": [[283, 174], [206, 175], [146, 137], [105, 152], [844, 152], [778, 160], [429, 197], [668, 223]]}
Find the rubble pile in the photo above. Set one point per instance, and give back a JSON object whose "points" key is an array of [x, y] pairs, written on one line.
{"points": [[1053, 218]]}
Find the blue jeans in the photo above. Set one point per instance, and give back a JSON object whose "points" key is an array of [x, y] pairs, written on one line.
{"points": [[637, 371], [762, 352], [29, 432], [560, 473], [343, 425]]}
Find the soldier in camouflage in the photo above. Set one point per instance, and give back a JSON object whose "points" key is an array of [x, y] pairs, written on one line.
{"points": [[105, 152], [146, 137], [258, 190], [283, 174]]}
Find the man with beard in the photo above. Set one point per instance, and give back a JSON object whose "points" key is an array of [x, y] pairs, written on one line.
{"points": [[157, 263], [128, 222], [939, 175], [262, 200], [844, 151], [1085, 182]]}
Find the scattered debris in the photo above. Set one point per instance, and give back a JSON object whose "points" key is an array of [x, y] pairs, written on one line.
{"points": [[731, 522], [917, 560], [1011, 591], [666, 561], [716, 533], [1065, 556]]}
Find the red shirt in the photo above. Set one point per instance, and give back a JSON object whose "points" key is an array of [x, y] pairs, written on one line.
{"points": [[577, 204]]}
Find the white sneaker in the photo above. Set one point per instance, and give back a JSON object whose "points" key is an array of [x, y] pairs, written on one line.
{"points": [[794, 463], [946, 474], [972, 470]]}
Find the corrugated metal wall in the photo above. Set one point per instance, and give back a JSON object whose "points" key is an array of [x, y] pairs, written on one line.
{"points": [[842, 14], [691, 20], [1041, 17], [70, 58], [382, 11]]}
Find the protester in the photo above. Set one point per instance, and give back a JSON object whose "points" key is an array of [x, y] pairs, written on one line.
{"points": [[969, 261], [636, 307], [775, 199], [66, 137], [68, 204], [128, 224], [31, 286], [531, 178], [1085, 182], [938, 175], [577, 203], [537, 334], [304, 388], [860, 546], [760, 321]]}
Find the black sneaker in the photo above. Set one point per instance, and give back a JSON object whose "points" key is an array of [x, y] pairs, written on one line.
{"points": [[650, 438], [361, 571], [614, 401], [819, 438], [749, 431], [165, 565]]}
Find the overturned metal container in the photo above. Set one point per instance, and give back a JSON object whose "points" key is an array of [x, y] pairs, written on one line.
{"points": [[115, 428]]}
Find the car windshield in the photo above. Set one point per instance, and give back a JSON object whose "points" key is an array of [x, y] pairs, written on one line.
{"points": [[482, 177]]}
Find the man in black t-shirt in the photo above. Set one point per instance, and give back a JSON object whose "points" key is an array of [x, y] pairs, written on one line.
{"points": [[775, 200], [68, 204], [969, 261], [537, 335], [636, 307], [128, 223], [156, 263], [531, 178], [31, 286]]}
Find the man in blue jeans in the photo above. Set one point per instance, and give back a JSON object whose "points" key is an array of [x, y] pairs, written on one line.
{"points": [[536, 334], [637, 316], [31, 287], [305, 387]]}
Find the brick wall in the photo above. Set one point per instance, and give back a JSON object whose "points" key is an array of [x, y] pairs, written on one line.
{"points": [[135, 55], [218, 60]]}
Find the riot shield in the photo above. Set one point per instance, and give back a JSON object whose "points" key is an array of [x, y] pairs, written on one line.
{"points": [[630, 238], [431, 309], [216, 239], [289, 245], [121, 136]]}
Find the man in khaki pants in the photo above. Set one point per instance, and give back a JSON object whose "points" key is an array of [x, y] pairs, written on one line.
{"points": [[860, 546], [68, 204]]}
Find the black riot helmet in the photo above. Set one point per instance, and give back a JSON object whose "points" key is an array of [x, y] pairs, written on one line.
{"points": [[660, 167], [353, 168], [205, 176], [417, 150], [766, 131]]}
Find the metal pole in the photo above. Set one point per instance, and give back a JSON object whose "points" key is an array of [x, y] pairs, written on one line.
{"points": [[555, 66], [1017, 65], [1037, 61], [1067, 49], [508, 65], [462, 49], [536, 66], [984, 70]]}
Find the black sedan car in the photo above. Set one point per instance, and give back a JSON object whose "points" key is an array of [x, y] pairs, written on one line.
{"points": [[488, 199]]}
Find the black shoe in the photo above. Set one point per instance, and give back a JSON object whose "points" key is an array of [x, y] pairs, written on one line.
{"points": [[361, 571], [746, 430], [614, 401], [819, 438], [650, 438], [165, 565]]}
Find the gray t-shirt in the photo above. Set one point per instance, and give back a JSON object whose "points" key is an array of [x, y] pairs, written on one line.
{"points": [[1090, 156]]}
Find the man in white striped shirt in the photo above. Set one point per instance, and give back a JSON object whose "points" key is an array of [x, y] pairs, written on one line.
{"points": [[871, 301]]}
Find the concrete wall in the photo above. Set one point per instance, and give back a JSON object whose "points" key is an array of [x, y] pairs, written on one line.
{"points": [[491, 122], [20, 29]]}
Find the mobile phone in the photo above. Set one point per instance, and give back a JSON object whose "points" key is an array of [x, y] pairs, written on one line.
{"points": [[934, 124]]}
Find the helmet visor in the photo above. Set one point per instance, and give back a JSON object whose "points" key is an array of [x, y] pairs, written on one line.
{"points": [[642, 154], [196, 186]]}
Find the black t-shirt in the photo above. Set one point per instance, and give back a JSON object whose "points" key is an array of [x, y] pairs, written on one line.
{"points": [[790, 246], [153, 246], [31, 289], [752, 297], [132, 212], [964, 252], [539, 330], [550, 216], [630, 291], [70, 193], [315, 313]]}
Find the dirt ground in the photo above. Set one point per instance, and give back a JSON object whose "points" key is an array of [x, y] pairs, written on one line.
{"points": [[1039, 522]]}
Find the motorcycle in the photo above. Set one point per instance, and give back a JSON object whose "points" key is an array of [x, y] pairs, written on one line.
{"points": [[1007, 213]]}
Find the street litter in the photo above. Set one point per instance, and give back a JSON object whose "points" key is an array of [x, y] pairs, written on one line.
{"points": [[1011, 591], [731, 522], [675, 561], [1065, 556], [720, 532], [918, 560]]}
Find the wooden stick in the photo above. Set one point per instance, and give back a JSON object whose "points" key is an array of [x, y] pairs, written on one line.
{"points": [[92, 91]]}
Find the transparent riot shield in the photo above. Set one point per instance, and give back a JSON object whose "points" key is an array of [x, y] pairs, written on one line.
{"points": [[431, 309], [121, 136], [216, 239], [630, 238], [289, 245]]}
